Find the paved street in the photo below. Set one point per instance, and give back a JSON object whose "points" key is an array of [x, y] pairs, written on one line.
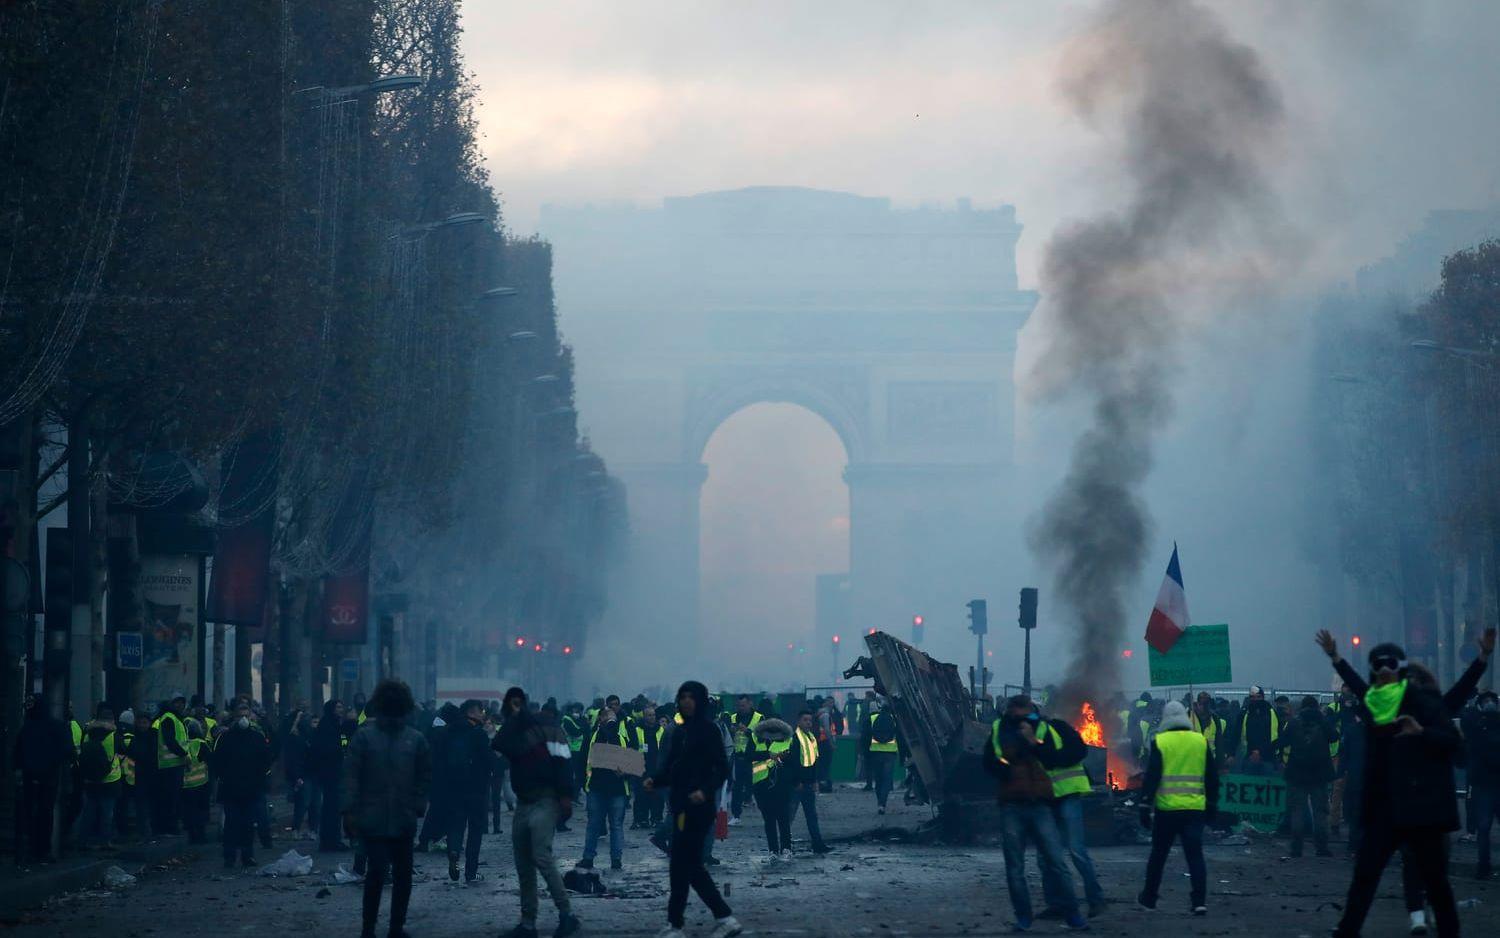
{"points": [[864, 887]]}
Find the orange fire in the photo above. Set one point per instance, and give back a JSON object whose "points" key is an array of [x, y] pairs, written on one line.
{"points": [[1089, 728]]}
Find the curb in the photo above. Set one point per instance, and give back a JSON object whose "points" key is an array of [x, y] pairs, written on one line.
{"points": [[21, 892]]}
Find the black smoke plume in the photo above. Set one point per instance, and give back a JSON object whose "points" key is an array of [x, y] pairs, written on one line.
{"points": [[1196, 120]]}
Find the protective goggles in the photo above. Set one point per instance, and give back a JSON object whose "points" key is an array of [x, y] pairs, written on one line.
{"points": [[1389, 664]]}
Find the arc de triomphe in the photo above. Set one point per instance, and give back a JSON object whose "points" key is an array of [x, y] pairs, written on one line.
{"points": [[897, 327]]}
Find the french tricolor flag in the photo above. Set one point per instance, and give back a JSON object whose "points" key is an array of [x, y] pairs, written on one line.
{"points": [[1170, 617]]}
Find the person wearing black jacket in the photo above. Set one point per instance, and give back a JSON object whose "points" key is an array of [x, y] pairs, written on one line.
{"points": [[694, 768], [435, 824], [326, 758], [1183, 802], [799, 770], [240, 760], [44, 749], [1309, 771], [1408, 797], [1482, 733], [294, 765], [463, 777]]}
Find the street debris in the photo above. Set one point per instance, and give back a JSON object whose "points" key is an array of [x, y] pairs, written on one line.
{"points": [[290, 863], [116, 878]]}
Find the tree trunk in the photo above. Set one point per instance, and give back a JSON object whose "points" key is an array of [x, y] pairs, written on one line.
{"points": [[98, 586]]}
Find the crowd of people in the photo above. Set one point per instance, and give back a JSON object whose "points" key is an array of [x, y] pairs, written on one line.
{"points": [[1380, 758], [384, 779]]}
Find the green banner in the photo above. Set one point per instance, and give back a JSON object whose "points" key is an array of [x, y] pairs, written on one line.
{"points": [[1258, 799], [1201, 656]]}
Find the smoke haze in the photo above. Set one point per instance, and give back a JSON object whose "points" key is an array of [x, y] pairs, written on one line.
{"points": [[1194, 118]]}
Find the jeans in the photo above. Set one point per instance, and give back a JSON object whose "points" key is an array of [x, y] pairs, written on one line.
{"points": [[1020, 820], [882, 768], [99, 813], [1482, 803], [239, 815], [1167, 827], [775, 806], [531, 832], [807, 797], [1427, 850], [1297, 799], [687, 869], [1068, 813], [602, 808], [466, 812], [394, 854]]}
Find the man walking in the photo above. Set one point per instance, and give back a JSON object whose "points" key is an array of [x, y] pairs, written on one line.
{"points": [[1019, 760], [1308, 741], [241, 759], [1183, 786], [541, 774], [463, 776], [880, 753], [742, 725], [799, 769], [44, 749], [383, 794]]}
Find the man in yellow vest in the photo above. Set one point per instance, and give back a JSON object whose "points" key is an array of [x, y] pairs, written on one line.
{"points": [[195, 784], [1255, 738], [742, 725], [99, 769], [605, 789], [879, 737], [1182, 785], [1070, 781], [772, 791], [576, 726], [171, 764], [799, 770]]}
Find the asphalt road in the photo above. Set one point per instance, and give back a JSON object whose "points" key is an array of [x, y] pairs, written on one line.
{"points": [[865, 887]]}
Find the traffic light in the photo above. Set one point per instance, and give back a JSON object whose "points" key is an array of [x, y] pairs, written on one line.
{"points": [[917, 631], [835, 643], [567, 649], [1028, 607], [520, 642], [1355, 641], [979, 617]]}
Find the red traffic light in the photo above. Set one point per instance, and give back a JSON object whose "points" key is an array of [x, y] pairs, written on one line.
{"points": [[520, 642], [1355, 641], [567, 649], [537, 647], [1127, 653], [872, 631], [790, 646], [835, 639], [917, 620]]}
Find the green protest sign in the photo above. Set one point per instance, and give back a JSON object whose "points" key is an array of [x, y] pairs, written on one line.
{"points": [[1201, 656], [1258, 799]]}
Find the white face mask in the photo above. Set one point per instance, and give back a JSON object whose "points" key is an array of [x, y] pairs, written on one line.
{"points": [[243, 723]]}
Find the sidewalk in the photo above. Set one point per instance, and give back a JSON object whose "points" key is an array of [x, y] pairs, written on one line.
{"points": [[27, 887]]}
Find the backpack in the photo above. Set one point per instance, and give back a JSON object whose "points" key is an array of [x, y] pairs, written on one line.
{"points": [[883, 730], [93, 761], [1307, 748]]}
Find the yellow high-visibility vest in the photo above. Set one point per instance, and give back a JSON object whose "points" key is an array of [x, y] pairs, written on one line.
{"points": [[588, 772], [761, 771], [880, 747], [77, 729], [114, 760], [168, 723], [196, 775], [127, 764], [1211, 731], [808, 744], [1184, 759], [1069, 780], [746, 739]]}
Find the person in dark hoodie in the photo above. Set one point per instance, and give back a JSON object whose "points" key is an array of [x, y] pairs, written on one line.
{"points": [[383, 791], [1307, 741], [326, 760], [44, 750], [1408, 795], [1256, 733], [463, 777], [694, 769], [435, 824], [1482, 735], [1020, 758], [541, 773]]}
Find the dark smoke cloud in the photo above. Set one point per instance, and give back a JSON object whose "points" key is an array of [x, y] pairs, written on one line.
{"points": [[1196, 120]]}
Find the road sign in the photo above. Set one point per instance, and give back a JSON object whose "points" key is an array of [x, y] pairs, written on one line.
{"points": [[349, 670], [130, 651], [1201, 656]]}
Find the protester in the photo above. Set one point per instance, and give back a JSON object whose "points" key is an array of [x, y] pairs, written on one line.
{"points": [[241, 759], [1182, 785], [772, 787], [1308, 742], [44, 751], [99, 769], [541, 774], [606, 791], [1070, 782], [325, 761], [879, 743], [799, 769], [1408, 789], [695, 767], [462, 775], [1255, 738], [195, 789], [384, 793], [1019, 760], [171, 762], [295, 765], [1482, 736]]}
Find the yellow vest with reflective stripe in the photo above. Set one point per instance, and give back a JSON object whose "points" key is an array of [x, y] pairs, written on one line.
{"points": [[168, 723], [588, 772], [77, 729], [1070, 780], [196, 775], [880, 747], [746, 739], [1184, 759], [808, 744], [761, 771], [1211, 730], [114, 760]]}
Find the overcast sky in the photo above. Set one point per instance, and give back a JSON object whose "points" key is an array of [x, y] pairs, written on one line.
{"points": [[595, 100]]}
